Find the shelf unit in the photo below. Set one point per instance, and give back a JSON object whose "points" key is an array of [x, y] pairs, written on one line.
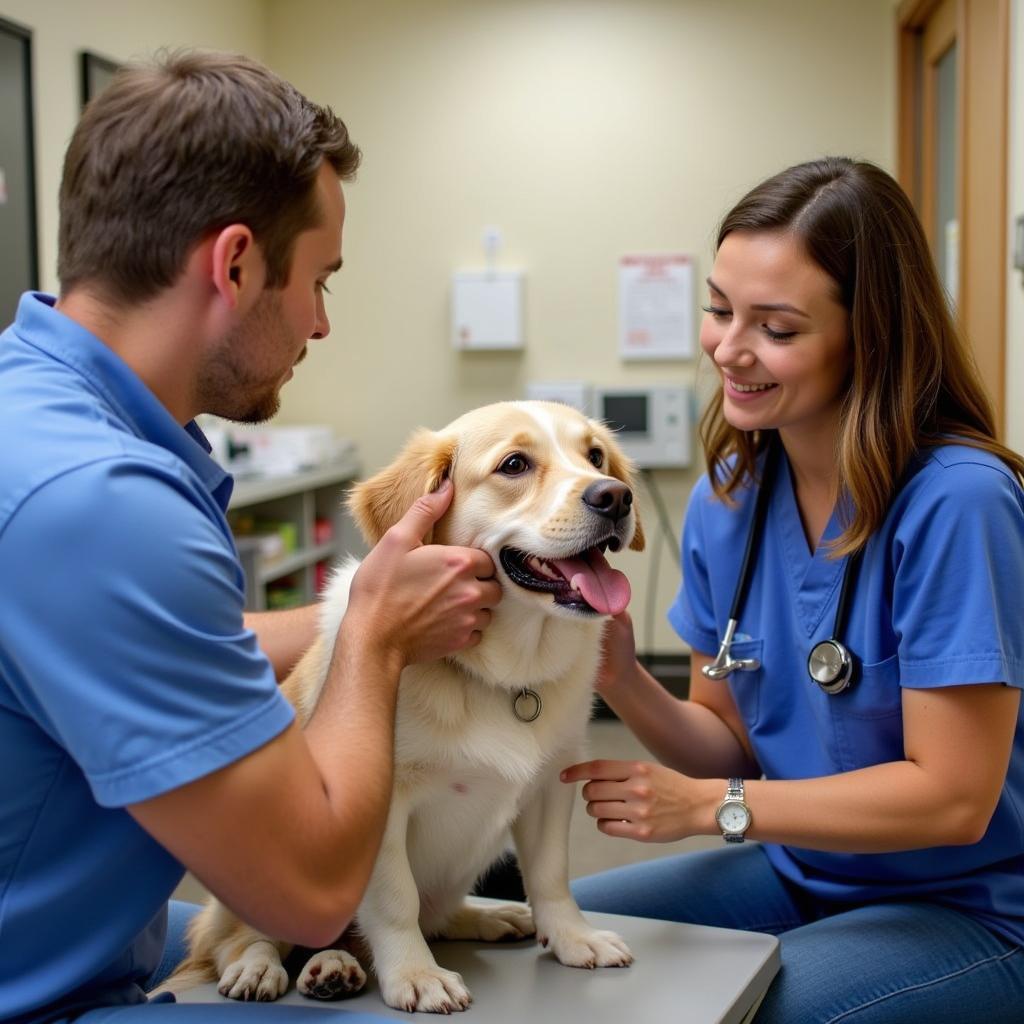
{"points": [[299, 498]]}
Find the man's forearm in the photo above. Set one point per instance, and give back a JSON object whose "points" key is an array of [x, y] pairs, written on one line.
{"points": [[351, 737], [284, 636]]}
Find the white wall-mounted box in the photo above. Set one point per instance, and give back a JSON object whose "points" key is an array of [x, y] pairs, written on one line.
{"points": [[570, 392], [487, 309]]}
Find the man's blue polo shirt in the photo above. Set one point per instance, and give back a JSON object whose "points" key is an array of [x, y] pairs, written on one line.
{"points": [[125, 668]]}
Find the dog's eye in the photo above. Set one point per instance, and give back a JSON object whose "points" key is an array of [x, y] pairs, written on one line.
{"points": [[514, 465], [596, 457]]}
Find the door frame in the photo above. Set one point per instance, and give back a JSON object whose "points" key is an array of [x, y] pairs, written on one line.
{"points": [[983, 84]]}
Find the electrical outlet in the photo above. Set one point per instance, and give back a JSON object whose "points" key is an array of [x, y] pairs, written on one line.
{"points": [[492, 241]]}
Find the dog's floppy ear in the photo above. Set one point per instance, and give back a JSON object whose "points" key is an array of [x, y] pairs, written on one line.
{"points": [[622, 469], [378, 503]]}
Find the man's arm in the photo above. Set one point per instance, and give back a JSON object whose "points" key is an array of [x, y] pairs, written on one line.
{"points": [[284, 636], [287, 836]]}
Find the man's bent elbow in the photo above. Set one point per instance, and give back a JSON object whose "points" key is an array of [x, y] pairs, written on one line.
{"points": [[319, 921]]}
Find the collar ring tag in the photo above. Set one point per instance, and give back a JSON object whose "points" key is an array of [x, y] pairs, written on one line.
{"points": [[526, 705]]}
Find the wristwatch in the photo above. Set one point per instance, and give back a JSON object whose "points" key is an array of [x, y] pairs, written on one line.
{"points": [[733, 815]]}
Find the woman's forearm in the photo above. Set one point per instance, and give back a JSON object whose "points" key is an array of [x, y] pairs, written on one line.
{"points": [[881, 809], [957, 745], [682, 734]]}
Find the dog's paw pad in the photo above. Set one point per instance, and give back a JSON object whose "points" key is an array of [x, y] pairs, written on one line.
{"points": [[330, 974], [591, 949], [256, 978], [425, 990]]}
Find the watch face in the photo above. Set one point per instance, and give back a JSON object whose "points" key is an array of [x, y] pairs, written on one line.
{"points": [[733, 817]]}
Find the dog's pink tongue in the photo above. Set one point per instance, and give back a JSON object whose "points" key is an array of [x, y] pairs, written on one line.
{"points": [[605, 589]]}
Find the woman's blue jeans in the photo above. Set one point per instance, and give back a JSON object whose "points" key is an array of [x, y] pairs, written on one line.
{"points": [[882, 963]]}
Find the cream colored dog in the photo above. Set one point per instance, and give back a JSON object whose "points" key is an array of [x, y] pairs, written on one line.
{"points": [[482, 735]]}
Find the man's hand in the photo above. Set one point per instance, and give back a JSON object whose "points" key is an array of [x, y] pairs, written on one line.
{"points": [[422, 600]]}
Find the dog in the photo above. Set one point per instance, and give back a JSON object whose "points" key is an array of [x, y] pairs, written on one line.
{"points": [[481, 735]]}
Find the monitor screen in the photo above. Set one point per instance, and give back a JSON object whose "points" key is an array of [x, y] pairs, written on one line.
{"points": [[626, 413]]}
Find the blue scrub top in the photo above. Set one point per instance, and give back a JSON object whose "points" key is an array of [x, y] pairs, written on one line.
{"points": [[938, 602], [125, 667]]}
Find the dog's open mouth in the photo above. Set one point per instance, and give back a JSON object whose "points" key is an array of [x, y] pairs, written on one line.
{"points": [[584, 582]]}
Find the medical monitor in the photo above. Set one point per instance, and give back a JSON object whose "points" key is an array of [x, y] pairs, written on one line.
{"points": [[651, 423]]}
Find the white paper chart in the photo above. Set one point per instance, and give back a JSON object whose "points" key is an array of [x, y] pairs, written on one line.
{"points": [[656, 306]]}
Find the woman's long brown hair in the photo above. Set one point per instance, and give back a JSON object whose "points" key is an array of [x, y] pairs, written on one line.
{"points": [[913, 383]]}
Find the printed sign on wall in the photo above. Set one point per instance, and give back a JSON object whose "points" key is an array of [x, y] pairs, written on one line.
{"points": [[656, 306]]}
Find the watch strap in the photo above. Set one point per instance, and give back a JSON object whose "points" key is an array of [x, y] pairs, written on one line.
{"points": [[735, 792]]}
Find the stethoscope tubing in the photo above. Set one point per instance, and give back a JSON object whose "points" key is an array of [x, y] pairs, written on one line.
{"points": [[764, 492], [830, 664]]}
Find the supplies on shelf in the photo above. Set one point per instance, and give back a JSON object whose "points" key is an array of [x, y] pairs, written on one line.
{"points": [[286, 592], [321, 575], [284, 526], [272, 538], [323, 530], [261, 450]]}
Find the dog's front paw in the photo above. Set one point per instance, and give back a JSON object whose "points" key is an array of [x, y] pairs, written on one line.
{"points": [[255, 975], [587, 947], [331, 974], [424, 989], [491, 923]]}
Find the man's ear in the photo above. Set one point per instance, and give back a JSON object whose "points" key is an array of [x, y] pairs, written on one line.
{"points": [[378, 503], [237, 270]]}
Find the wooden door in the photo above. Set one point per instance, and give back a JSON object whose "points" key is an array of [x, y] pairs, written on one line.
{"points": [[952, 159]]}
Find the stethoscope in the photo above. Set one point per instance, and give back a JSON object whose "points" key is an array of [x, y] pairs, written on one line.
{"points": [[830, 663]]}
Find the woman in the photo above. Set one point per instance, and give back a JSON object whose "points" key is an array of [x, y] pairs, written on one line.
{"points": [[889, 810]]}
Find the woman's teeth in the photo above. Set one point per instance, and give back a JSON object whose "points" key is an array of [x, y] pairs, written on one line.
{"points": [[750, 387]]}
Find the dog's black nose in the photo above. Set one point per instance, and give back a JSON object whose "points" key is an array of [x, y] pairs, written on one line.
{"points": [[609, 498]]}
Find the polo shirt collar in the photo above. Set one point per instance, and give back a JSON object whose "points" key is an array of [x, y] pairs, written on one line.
{"points": [[38, 323]]}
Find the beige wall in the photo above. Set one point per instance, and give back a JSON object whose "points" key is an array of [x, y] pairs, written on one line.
{"points": [[584, 129], [1015, 208], [119, 30]]}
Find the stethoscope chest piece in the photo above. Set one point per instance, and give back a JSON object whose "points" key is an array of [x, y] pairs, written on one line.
{"points": [[830, 665]]}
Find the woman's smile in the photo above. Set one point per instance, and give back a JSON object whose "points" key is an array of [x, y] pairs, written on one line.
{"points": [[746, 390]]}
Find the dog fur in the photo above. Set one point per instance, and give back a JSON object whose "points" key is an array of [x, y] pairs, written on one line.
{"points": [[467, 770]]}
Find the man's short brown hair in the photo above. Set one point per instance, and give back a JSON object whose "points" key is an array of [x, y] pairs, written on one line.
{"points": [[174, 150]]}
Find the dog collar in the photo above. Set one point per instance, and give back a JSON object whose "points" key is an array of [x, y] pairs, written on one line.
{"points": [[526, 705]]}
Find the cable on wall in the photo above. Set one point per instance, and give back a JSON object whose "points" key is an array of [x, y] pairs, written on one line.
{"points": [[665, 533]]}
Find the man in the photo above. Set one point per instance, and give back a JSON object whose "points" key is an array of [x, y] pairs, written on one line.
{"points": [[141, 729]]}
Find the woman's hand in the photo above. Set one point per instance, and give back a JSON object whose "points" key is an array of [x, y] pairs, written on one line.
{"points": [[618, 653], [646, 802]]}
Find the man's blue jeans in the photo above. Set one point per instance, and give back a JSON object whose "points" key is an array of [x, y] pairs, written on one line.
{"points": [[227, 1012], [883, 963]]}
